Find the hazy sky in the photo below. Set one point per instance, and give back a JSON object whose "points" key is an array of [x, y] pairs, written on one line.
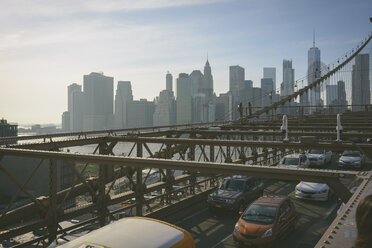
{"points": [[45, 45]]}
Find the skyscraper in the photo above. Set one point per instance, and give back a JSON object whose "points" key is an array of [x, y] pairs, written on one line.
{"points": [[140, 113], [122, 97], [196, 78], [360, 89], [207, 84], [331, 95], [270, 72], [247, 84], [71, 89], [66, 121], [237, 76], [169, 82], [236, 82], [183, 99], [266, 91], [165, 111], [288, 78], [341, 92], [165, 107], [99, 101], [314, 73], [77, 114]]}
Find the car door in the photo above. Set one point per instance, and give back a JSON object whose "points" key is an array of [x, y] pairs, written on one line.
{"points": [[284, 220], [258, 189], [250, 191], [303, 161], [307, 162], [328, 155]]}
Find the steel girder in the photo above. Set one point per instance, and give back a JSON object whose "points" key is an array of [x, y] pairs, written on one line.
{"points": [[322, 176]]}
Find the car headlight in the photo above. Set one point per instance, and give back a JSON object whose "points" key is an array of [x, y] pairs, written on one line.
{"points": [[236, 228], [356, 162], [323, 191], [341, 162], [321, 157], [230, 201], [267, 233]]}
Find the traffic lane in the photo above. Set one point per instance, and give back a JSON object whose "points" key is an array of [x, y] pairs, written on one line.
{"points": [[313, 218], [218, 228], [209, 228]]}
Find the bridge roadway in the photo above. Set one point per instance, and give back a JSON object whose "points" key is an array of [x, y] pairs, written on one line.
{"points": [[313, 219]]}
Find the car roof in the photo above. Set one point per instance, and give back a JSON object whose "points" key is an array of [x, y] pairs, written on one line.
{"points": [[275, 200], [126, 230]]}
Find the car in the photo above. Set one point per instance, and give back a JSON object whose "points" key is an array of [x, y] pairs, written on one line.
{"points": [[295, 160], [351, 160], [235, 193], [319, 157], [268, 218], [124, 233], [312, 191]]}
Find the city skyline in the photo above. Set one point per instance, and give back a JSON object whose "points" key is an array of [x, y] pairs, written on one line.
{"points": [[46, 46]]}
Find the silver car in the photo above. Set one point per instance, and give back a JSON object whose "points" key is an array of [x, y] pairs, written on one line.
{"points": [[295, 160], [351, 160], [312, 191], [319, 157]]}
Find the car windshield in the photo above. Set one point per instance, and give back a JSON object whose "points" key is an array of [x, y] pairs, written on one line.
{"points": [[260, 214], [351, 154], [232, 185], [290, 161], [314, 151]]}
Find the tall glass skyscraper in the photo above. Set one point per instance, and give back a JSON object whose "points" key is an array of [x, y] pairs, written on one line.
{"points": [[360, 88], [314, 73], [270, 72]]}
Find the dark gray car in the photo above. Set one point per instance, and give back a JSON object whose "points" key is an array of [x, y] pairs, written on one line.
{"points": [[235, 193]]}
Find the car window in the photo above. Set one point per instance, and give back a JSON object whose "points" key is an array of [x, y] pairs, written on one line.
{"points": [[351, 154], [257, 182], [284, 209], [290, 161], [260, 214], [249, 185], [232, 185], [314, 151]]}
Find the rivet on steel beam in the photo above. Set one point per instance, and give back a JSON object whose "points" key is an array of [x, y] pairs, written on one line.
{"points": [[330, 236], [326, 241]]}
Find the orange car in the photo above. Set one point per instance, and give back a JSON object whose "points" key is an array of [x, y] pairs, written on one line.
{"points": [[266, 219]]}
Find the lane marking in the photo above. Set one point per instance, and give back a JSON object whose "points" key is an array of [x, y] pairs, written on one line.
{"points": [[191, 216], [221, 241]]}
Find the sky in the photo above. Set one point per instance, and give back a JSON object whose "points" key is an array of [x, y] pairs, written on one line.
{"points": [[46, 45]]}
